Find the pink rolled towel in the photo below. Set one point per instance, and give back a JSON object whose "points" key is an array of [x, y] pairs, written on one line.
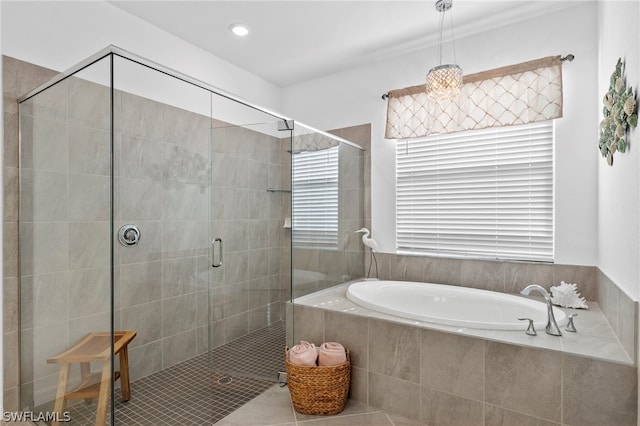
{"points": [[331, 353], [303, 354]]}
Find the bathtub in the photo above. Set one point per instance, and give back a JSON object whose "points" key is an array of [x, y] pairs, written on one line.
{"points": [[451, 305]]}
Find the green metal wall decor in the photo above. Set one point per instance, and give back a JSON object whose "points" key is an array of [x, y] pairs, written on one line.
{"points": [[619, 112]]}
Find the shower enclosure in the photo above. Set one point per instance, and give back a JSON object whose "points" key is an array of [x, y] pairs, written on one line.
{"points": [[151, 202]]}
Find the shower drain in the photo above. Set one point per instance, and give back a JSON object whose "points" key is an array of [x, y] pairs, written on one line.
{"points": [[225, 380]]}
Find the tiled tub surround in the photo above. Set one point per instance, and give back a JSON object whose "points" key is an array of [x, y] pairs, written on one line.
{"points": [[511, 277], [445, 375], [594, 339], [621, 312]]}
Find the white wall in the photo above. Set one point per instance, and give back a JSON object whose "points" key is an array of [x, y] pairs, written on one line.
{"points": [[619, 200], [59, 34], [353, 97]]}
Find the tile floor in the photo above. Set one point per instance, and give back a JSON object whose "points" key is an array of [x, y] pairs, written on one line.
{"points": [[185, 394], [188, 394], [273, 407], [259, 354]]}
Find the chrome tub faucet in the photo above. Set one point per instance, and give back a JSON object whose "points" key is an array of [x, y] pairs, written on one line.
{"points": [[552, 327]]}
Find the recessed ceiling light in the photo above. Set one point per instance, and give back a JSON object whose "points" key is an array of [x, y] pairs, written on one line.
{"points": [[241, 30]]}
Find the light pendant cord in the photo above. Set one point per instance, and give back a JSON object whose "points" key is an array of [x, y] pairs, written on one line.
{"points": [[453, 37], [440, 44]]}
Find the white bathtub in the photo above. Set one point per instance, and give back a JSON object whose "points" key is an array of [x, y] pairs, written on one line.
{"points": [[451, 305]]}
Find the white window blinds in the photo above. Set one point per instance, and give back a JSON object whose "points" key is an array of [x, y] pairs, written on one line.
{"points": [[315, 198], [482, 194]]}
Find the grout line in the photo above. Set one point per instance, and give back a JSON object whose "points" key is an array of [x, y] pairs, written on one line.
{"points": [[342, 416], [484, 382], [389, 418], [542, 419], [562, 364]]}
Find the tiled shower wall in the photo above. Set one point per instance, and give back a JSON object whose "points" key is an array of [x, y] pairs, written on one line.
{"points": [[64, 228], [17, 79], [249, 290], [162, 170], [170, 196]]}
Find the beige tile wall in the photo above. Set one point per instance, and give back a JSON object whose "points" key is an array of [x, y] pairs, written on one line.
{"points": [[17, 78], [511, 277], [621, 312], [162, 164], [249, 291], [439, 378]]}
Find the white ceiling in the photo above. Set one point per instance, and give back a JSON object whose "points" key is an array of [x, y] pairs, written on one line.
{"points": [[294, 41]]}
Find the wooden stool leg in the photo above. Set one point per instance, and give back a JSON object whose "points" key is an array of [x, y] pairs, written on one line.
{"points": [[125, 386], [103, 397], [85, 371], [63, 381]]}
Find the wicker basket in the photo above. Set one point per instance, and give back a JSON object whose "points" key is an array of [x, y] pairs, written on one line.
{"points": [[319, 390]]}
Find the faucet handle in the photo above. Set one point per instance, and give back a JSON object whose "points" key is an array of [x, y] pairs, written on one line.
{"points": [[531, 331], [570, 326]]}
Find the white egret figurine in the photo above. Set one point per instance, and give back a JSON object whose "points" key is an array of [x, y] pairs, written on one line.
{"points": [[373, 246]]}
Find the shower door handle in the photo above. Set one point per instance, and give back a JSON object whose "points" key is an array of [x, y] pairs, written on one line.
{"points": [[213, 256]]}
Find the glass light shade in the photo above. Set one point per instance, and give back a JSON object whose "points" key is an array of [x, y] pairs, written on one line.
{"points": [[444, 82]]}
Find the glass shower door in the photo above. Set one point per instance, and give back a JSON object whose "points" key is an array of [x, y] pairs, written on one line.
{"points": [[162, 188], [126, 180], [251, 167], [64, 223]]}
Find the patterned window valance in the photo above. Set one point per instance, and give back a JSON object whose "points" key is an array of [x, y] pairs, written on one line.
{"points": [[516, 94]]}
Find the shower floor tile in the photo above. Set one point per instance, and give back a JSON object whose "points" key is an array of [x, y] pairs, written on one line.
{"points": [[188, 394], [259, 354]]}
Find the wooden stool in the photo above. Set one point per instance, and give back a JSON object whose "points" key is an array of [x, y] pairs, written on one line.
{"points": [[94, 347]]}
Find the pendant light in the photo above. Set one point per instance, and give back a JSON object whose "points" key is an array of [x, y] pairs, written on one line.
{"points": [[444, 82]]}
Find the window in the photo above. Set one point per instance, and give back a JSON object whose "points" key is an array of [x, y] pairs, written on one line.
{"points": [[315, 198], [481, 194]]}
